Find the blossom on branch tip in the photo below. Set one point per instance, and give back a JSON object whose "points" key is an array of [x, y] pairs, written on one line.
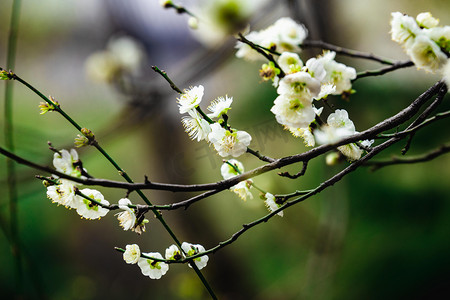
{"points": [[132, 254], [89, 209], [173, 253], [191, 249], [127, 218], [271, 203], [190, 98], [229, 143], [220, 106], [152, 268], [195, 126]]}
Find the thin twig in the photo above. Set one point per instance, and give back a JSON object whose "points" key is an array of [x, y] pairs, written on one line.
{"points": [[424, 115], [396, 160], [297, 175], [347, 52], [262, 52], [395, 66]]}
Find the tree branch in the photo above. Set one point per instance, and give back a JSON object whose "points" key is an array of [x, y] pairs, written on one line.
{"points": [[347, 52], [396, 160]]}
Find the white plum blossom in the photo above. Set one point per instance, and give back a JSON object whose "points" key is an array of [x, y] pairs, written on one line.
{"points": [[293, 111], [229, 143], [132, 254], [325, 90], [441, 35], [63, 161], [220, 106], [351, 151], [404, 29], [329, 135], [152, 268], [89, 209], [315, 67], [242, 189], [299, 83], [63, 193], [426, 20], [338, 127], [271, 204], [288, 34], [340, 119], [190, 98], [285, 35], [195, 126], [193, 249], [127, 218], [173, 253], [290, 62], [337, 74], [426, 54], [228, 171]]}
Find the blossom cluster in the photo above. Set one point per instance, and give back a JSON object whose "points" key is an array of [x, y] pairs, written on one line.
{"points": [[200, 126], [88, 203], [153, 265], [424, 41], [302, 85]]}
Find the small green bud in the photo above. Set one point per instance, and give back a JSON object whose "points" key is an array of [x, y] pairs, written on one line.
{"points": [[193, 23], [81, 141], [333, 158], [166, 3]]}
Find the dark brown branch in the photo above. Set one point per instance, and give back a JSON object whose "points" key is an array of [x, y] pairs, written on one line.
{"points": [[395, 66], [425, 114], [395, 160], [295, 176], [331, 181]]}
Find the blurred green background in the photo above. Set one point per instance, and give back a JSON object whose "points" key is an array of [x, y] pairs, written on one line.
{"points": [[374, 235]]}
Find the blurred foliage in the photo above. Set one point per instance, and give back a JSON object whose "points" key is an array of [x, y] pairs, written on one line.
{"points": [[374, 235]]}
